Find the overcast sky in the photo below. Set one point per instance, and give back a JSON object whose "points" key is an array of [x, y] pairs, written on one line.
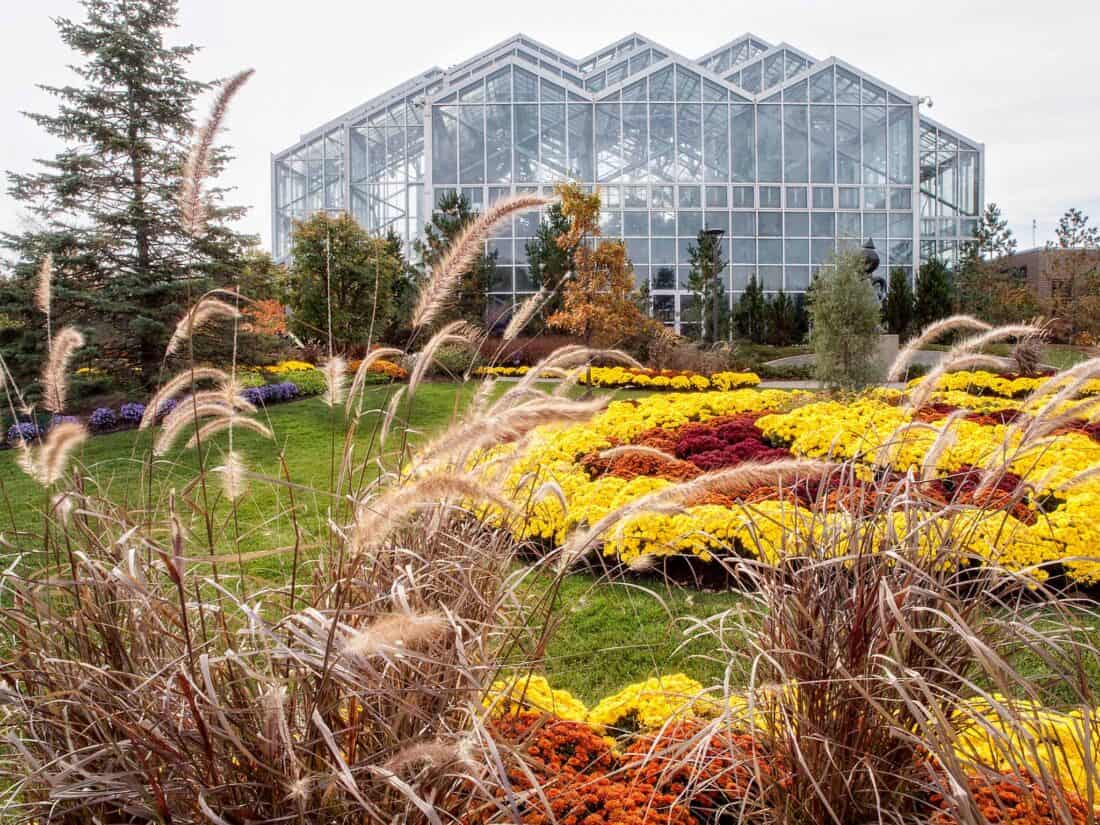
{"points": [[1022, 77]]}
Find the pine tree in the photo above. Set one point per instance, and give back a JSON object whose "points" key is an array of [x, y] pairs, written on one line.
{"points": [[993, 238], [781, 314], [706, 287], [750, 320], [935, 299], [1074, 272], [105, 206], [450, 217], [548, 260], [898, 308], [845, 315]]}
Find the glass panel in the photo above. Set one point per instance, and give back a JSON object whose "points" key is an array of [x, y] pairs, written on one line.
{"points": [[770, 197], [901, 145], [874, 144], [552, 140], [499, 85], [474, 93], [796, 224], [743, 250], [823, 224], [796, 147], [526, 85], [716, 141], [444, 144], [527, 143], [773, 70], [822, 144], [608, 126], [795, 93], [713, 92], [901, 198], [744, 197], [968, 183], [822, 251], [874, 197], [717, 196], [872, 94], [770, 224], [664, 223], [636, 223], [770, 252], [750, 78], [823, 197], [743, 142], [821, 87], [689, 135], [581, 164], [498, 143], [662, 134], [687, 84], [552, 92], [849, 198], [689, 223], [798, 251], [635, 141], [847, 87], [847, 144], [717, 219], [768, 143], [848, 225], [660, 84], [690, 197]]}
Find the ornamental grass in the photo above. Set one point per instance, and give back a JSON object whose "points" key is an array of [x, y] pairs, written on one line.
{"points": [[151, 674]]}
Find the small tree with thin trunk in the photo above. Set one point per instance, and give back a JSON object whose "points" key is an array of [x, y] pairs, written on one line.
{"points": [[845, 317]]}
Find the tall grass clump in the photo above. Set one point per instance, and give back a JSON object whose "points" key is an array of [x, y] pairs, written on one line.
{"points": [[150, 673]]}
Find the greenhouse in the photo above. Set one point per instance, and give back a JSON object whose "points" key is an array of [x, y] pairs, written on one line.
{"points": [[790, 156]]}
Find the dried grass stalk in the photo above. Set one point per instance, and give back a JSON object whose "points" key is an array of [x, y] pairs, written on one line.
{"points": [[932, 332], [193, 212], [185, 380], [207, 309], [438, 291], [44, 288], [369, 360], [55, 378], [335, 372]]}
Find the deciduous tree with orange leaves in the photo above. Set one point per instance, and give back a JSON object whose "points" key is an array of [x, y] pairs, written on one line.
{"points": [[599, 301]]}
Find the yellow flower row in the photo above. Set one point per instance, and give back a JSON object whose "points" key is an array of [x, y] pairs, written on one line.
{"points": [[624, 377], [641, 706], [980, 381], [1062, 744], [284, 367], [501, 371]]}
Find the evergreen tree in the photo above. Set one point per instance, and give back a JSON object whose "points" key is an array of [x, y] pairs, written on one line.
{"points": [[845, 315], [548, 260], [750, 314], [782, 320], [339, 271], [706, 285], [405, 289], [1075, 232], [935, 297], [105, 206], [898, 308], [450, 217], [1074, 272], [993, 239]]}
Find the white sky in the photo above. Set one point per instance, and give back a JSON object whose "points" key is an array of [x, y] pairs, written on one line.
{"points": [[1022, 77]]}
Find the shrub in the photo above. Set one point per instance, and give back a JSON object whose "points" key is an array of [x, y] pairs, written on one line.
{"points": [[102, 419], [23, 431], [309, 382], [130, 414], [453, 361], [845, 317]]}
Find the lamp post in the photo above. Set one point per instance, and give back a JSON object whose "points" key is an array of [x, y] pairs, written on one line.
{"points": [[716, 253]]}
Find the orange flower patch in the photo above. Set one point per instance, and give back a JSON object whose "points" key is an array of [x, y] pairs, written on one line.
{"points": [[1015, 800]]}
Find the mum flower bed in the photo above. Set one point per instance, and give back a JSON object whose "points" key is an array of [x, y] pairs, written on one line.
{"points": [[646, 754], [981, 382], [628, 377], [1049, 525]]}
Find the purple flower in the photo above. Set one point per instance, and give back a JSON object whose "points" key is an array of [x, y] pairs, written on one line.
{"points": [[131, 413], [103, 418], [61, 419], [166, 407], [271, 393], [23, 431]]}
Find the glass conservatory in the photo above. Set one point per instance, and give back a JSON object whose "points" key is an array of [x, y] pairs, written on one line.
{"points": [[789, 155]]}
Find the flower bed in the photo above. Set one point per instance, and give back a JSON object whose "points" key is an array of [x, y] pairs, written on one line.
{"points": [[682, 381], [622, 760], [980, 382], [1050, 527]]}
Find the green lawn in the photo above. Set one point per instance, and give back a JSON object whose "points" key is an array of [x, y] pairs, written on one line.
{"points": [[610, 634]]}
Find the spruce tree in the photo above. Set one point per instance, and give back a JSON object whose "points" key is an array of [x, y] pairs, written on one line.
{"points": [[706, 287], [935, 295], [750, 320], [450, 217], [898, 308], [549, 261], [105, 205]]}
